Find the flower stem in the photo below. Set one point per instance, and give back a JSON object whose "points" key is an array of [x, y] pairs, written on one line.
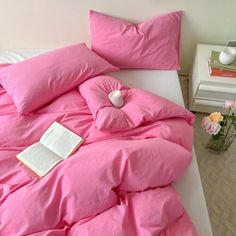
{"points": [[228, 129], [225, 137]]}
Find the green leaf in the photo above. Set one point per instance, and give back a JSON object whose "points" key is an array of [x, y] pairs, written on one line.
{"points": [[216, 136], [223, 123]]}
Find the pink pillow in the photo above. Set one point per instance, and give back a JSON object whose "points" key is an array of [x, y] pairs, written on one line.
{"points": [[36, 81], [153, 44], [140, 106]]}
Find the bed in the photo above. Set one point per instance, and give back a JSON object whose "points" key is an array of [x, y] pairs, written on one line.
{"points": [[146, 180], [166, 84]]}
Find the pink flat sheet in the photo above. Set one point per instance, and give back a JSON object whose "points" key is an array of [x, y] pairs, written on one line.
{"points": [[117, 183]]}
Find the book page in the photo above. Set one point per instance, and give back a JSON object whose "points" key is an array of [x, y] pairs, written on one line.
{"points": [[60, 140], [39, 159]]}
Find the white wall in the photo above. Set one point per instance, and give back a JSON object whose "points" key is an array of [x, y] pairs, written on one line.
{"points": [[55, 23]]}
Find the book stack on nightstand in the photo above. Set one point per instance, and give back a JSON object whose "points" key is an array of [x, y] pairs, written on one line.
{"points": [[207, 93], [218, 69]]}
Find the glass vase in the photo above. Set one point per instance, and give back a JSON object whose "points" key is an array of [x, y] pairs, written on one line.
{"points": [[220, 143]]}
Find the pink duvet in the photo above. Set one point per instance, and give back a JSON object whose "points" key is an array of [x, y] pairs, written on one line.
{"points": [[117, 183]]}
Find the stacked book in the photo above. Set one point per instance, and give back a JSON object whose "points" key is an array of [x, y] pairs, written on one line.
{"points": [[218, 69]]}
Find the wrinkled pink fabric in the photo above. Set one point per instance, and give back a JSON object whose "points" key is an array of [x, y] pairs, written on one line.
{"points": [[139, 107], [152, 44], [3, 65], [115, 184], [35, 81]]}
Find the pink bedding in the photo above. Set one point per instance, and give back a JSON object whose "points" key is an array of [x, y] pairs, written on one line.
{"points": [[117, 183]]}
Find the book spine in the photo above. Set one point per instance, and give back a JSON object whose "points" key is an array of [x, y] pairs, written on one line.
{"points": [[221, 72], [223, 67]]}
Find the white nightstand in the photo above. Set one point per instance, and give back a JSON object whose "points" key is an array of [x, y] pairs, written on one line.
{"points": [[208, 93]]}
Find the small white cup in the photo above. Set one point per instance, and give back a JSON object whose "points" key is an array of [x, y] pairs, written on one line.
{"points": [[116, 98], [226, 56]]}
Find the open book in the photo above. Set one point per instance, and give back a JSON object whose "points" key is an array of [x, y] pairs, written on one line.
{"points": [[55, 145]]}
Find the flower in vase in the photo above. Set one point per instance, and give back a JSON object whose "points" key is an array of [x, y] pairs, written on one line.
{"points": [[216, 117], [230, 104], [222, 128], [210, 126]]}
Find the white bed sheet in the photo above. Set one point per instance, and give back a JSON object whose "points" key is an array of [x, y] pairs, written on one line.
{"points": [[166, 84]]}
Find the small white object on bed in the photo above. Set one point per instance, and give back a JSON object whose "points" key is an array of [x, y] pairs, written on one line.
{"points": [[116, 98], [166, 84]]}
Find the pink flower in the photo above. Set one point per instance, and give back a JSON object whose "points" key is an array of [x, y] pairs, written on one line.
{"points": [[213, 128], [205, 121], [229, 104], [209, 126]]}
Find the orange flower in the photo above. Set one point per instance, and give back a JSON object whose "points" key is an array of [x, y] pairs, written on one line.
{"points": [[216, 117]]}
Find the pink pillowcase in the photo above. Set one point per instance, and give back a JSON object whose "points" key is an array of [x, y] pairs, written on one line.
{"points": [[36, 81], [153, 44], [140, 106]]}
